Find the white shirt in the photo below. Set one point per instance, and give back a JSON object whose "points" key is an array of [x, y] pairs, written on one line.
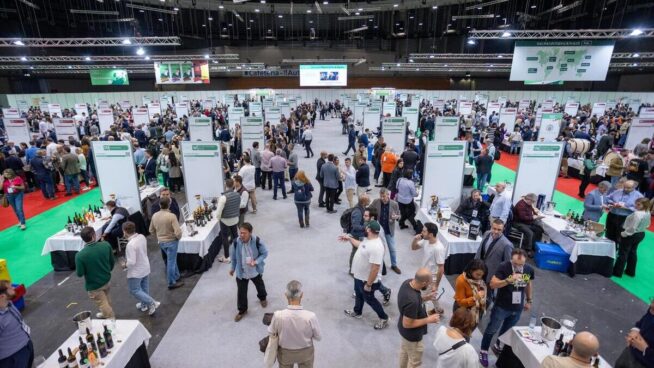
{"points": [[247, 173], [82, 161], [136, 253], [369, 251], [350, 178], [51, 149], [296, 327], [463, 357], [433, 255], [500, 207]]}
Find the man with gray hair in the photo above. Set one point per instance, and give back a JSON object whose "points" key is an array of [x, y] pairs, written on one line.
{"points": [[526, 218], [279, 165], [296, 328], [595, 201]]}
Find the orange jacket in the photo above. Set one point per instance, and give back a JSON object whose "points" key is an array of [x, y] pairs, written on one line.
{"points": [[388, 162], [463, 293]]}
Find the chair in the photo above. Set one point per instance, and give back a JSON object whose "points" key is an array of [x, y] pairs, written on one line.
{"points": [[511, 232]]}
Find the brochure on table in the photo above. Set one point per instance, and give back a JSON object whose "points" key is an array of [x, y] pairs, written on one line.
{"points": [[141, 116], [446, 128], [371, 118], [273, 115], [203, 171], [117, 157], [411, 116], [550, 127], [394, 132], [507, 117], [11, 113], [17, 130], [55, 109], [200, 129], [443, 159], [65, 128], [234, 115], [538, 169], [598, 109], [640, 129], [105, 119], [251, 131], [571, 108], [389, 108], [464, 108]]}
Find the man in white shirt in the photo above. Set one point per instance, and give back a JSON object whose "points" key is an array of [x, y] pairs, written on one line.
{"points": [[501, 205], [366, 269], [297, 328], [247, 173], [433, 257], [137, 265], [50, 148], [350, 184]]}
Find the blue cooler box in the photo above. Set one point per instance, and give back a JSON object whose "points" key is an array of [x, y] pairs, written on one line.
{"points": [[551, 257]]}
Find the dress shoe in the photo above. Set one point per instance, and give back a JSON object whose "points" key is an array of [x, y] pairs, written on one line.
{"points": [[264, 303], [396, 270], [239, 316], [176, 285]]}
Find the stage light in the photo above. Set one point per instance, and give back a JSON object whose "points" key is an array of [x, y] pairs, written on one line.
{"points": [[140, 51], [636, 32]]}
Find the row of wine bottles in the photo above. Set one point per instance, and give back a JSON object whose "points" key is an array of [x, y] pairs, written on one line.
{"points": [[90, 352]]}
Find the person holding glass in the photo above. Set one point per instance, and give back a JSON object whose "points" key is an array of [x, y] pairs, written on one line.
{"points": [[14, 188]]}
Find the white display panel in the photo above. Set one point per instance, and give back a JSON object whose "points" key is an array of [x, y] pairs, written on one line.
{"points": [[23, 106], [81, 108], [464, 108], [292, 103], [323, 75], [358, 110], [439, 104], [538, 169], [203, 171], [112, 158], [44, 106], [208, 104], [524, 105], [164, 101], [285, 109], [125, 104], [646, 112], [200, 129], [65, 128], [389, 108], [539, 115], [371, 118], [255, 108], [154, 108], [446, 128], [273, 115], [411, 116], [55, 109], [550, 127], [571, 108], [561, 60], [394, 132], [181, 109], [145, 100], [234, 115], [17, 131], [268, 104], [251, 131], [493, 107], [599, 108], [507, 117], [443, 159], [11, 113], [548, 104], [141, 116], [502, 100], [640, 129], [105, 119]]}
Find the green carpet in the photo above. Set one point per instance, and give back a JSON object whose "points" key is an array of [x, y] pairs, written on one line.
{"points": [[22, 249], [640, 286]]}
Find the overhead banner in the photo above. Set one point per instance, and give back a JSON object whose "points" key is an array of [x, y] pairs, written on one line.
{"points": [[639, 129], [109, 77], [411, 116], [105, 119], [65, 128], [11, 113], [446, 128], [251, 131], [203, 172], [599, 108], [234, 115], [550, 127], [443, 159], [371, 118], [493, 107], [394, 132], [389, 108], [17, 130], [141, 117], [200, 129], [571, 108], [182, 72], [464, 108], [561, 60], [538, 169], [116, 157], [55, 109], [507, 117], [524, 105]]}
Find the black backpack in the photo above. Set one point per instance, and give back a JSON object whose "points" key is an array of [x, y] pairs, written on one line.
{"points": [[497, 154], [346, 219]]}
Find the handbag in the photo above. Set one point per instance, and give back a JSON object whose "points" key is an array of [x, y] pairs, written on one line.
{"points": [[270, 356], [4, 201]]}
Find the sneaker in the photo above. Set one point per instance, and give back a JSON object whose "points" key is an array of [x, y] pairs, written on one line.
{"points": [[224, 260], [176, 285], [99, 315], [141, 307], [382, 324], [497, 348], [483, 359], [22, 227], [352, 313], [387, 296], [153, 308]]}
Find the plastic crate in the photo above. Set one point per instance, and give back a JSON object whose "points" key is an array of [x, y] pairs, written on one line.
{"points": [[551, 257], [19, 300]]}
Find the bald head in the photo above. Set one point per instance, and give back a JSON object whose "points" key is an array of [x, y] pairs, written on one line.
{"points": [[585, 345], [423, 275]]}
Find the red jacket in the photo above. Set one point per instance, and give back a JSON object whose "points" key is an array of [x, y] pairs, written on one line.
{"points": [[523, 212]]}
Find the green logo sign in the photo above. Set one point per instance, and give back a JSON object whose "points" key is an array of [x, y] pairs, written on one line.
{"points": [[108, 147], [547, 148], [211, 147], [109, 77], [450, 147]]}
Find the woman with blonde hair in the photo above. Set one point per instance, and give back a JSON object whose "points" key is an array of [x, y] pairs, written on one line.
{"points": [[633, 232], [302, 189]]}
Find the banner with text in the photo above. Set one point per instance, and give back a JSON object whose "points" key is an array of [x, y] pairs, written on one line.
{"points": [[443, 159], [203, 172]]}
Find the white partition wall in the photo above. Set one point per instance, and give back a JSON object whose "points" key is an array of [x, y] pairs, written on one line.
{"points": [[446, 128], [371, 118], [116, 157], [646, 112], [203, 171], [550, 127], [538, 169], [11, 113], [273, 115], [105, 119], [524, 105], [255, 108], [65, 128], [55, 109], [443, 159], [640, 128], [598, 109], [141, 116], [358, 111], [507, 117], [389, 107], [493, 107], [464, 108], [251, 131], [181, 109], [285, 109], [200, 129], [394, 132], [17, 130], [411, 116], [234, 115], [571, 108]]}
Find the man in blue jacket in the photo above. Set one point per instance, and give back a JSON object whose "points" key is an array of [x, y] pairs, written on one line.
{"points": [[595, 201], [351, 140], [247, 262]]}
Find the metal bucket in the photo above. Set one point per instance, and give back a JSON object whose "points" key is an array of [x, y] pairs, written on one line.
{"points": [[549, 328], [83, 321]]}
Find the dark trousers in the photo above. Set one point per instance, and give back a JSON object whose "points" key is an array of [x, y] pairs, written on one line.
{"points": [[386, 179], [302, 211], [627, 254], [266, 176], [339, 190], [228, 234], [321, 195], [377, 165], [242, 293], [614, 226], [533, 233], [47, 186], [330, 194], [307, 146], [585, 180], [350, 145], [278, 179], [23, 358], [407, 213], [292, 172], [368, 297], [257, 177]]}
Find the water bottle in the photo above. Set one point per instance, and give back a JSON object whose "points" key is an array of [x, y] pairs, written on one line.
{"points": [[532, 321]]}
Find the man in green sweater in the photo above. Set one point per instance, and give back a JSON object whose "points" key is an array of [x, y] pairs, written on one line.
{"points": [[95, 262]]}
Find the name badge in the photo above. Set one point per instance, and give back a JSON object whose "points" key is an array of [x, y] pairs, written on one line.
{"points": [[516, 297], [26, 328], [474, 213]]}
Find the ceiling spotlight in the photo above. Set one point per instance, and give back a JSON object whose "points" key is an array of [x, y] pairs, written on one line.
{"points": [[500, 56], [309, 11], [325, 2], [636, 55], [147, 58], [26, 74], [471, 42], [311, 21], [533, 6], [221, 7], [251, 20], [280, 16], [435, 7], [357, 13], [87, 58], [398, 64], [479, 8], [497, 16], [70, 67], [635, 64], [256, 10], [126, 42], [23, 58], [176, 9], [210, 18], [506, 34], [360, 9], [431, 56], [269, 30], [382, 68], [140, 51], [281, 27], [204, 25], [410, 60], [262, 1], [395, 5], [161, 19], [206, 56], [141, 11], [418, 23], [411, 17], [636, 32]]}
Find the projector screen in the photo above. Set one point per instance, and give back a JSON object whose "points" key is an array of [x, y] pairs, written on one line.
{"points": [[323, 75]]}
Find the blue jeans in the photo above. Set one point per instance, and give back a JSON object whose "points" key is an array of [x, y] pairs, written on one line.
{"points": [[140, 289], [368, 297], [71, 182], [47, 185], [278, 180], [391, 248], [514, 147], [302, 211], [482, 179], [500, 317], [16, 202], [172, 272]]}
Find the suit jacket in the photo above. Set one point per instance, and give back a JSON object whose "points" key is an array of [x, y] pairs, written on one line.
{"points": [[393, 208], [593, 205], [319, 163], [329, 174], [150, 168], [70, 164], [501, 252]]}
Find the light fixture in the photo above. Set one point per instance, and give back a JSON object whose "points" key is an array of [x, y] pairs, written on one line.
{"points": [[411, 17], [281, 27], [206, 56], [256, 10], [471, 42], [431, 56], [398, 64], [309, 11], [176, 9], [325, 2], [500, 56], [533, 6], [434, 7], [262, 1], [479, 8], [360, 9], [506, 34], [70, 67], [311, 22], [410, 60], [23, 58], [251, 20], [636, 55], [141, 11], [635, 64], [636, 32], [395, 5], [418, 23], [140, 51], [19, 43], [210, 18], [87, 58], [221, 7], [204, 25], [280, 16], [126, 42], [357, 13], [147, 58], [160, 19]]}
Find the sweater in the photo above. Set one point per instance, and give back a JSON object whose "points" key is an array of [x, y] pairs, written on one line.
{"points": [[165, 227], [95, 262], [463, 293]]}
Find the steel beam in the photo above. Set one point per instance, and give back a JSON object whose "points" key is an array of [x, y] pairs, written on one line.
{"points": [[437, 56], [117, 58], [559, 34], [90, 42]]}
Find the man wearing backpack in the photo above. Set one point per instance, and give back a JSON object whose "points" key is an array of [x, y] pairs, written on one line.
{"points": [[247, 262], [352, 222]]}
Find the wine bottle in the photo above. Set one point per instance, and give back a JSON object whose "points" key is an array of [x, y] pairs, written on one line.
{"points": [[564, 350], [62, 360], [108, 339], [69, 222], [102, 348], [72, 361], [558, 345], [568, 351], [90, 340], [84, 358], [596, 363], [82, 345]]}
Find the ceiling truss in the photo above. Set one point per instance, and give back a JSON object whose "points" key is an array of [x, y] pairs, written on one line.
{"points": [[616, 55], [559, 34], [117, 58], [90, 42]]}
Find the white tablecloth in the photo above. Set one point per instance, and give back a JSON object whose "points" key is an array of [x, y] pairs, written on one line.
{"points": [[531, 354], [66, 241], [453, 244], [148, 190], [200, 242], [599, 247], [579, 165], [128, 336], [470, 170]]}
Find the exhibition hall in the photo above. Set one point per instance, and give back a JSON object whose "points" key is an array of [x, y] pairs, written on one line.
{"points": [[407, 183]]}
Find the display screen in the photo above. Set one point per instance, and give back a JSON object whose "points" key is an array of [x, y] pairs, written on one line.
{"points": [[323, 75], [182, 72], [109, 77]]}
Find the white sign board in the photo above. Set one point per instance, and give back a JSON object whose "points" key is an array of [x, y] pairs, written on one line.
{"points": [[23, 106], [273, 115], [255, 108], [446, 128], [389, 108], [43, 106], [234, 115], [640, 129], [443, 159], [502, 100], [550, 126], [154, 108], [539, 114], [116, 157], [464, 108], [507, 117], [55, 109], [599, 108], [524, 105], [251, 131], [548, 104], [439, 104], [81, 108], [65, 128], [164, 101], [571, 108], [285, 108], [411, 116], [538, 169], [371, 118], [200, 129], [208, 104], [646, 113], [359, 109], [105, 119], [203, 171], [181, 109], [493, 107], [11, 113], [394, 132], [125, 104], [17, 130], [141, 116], [146, 100], [268, 103]]}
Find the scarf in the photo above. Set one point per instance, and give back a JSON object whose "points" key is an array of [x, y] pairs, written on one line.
{"points": [[480, 303]]}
